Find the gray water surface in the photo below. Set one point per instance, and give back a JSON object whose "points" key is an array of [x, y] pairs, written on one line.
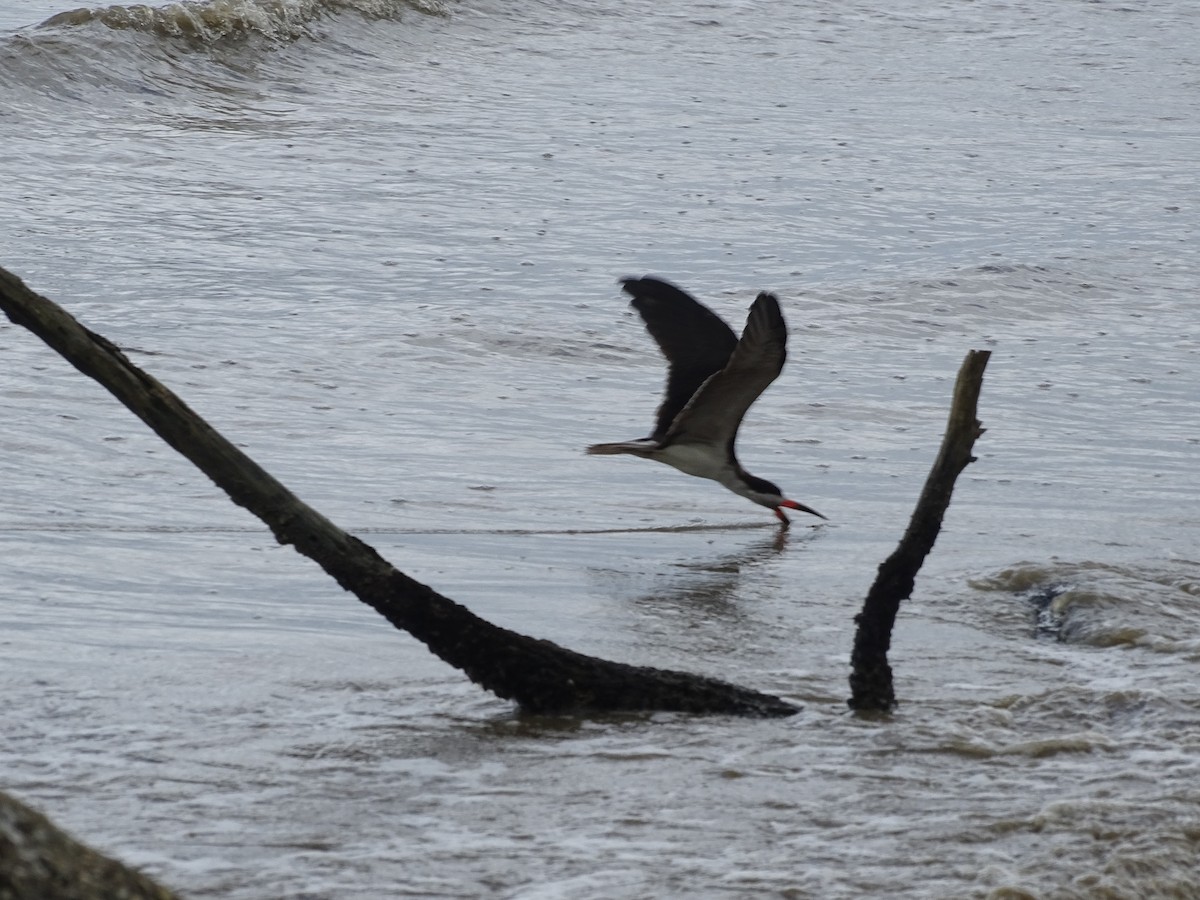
{"points": [[377, 246]]}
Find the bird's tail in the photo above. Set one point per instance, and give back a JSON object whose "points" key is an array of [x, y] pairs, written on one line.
{"points": [[637, 448]]}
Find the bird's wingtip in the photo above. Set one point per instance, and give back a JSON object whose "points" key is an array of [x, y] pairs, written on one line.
{"points": [[766, 299], [636, 286], [641, 284]]}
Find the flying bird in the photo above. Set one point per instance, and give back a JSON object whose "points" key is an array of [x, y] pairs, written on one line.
{"points": [[712, 378]]}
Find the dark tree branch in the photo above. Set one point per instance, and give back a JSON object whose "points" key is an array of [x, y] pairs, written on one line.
{"points": [[537, 674], [39, 861], [871, 677]]}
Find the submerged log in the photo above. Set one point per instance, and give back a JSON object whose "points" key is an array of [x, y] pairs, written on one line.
{"points": [[871, 676], [540, 676], [39, 861]]}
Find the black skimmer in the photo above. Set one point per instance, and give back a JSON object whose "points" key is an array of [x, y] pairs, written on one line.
{"points": [[712, 379]]}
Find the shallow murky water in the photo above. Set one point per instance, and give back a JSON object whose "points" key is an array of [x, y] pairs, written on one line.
{"points": [[377, 247]]}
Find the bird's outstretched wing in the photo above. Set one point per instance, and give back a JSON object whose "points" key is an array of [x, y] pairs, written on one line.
{"points": [[694, 340], [716, 410]]}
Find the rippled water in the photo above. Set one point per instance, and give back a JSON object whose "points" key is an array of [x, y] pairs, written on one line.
{"points": [[377, 245]]}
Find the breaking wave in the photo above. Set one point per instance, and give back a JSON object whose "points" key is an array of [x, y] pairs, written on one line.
{"points": [[220, 20], [139, 49], [1106, 605]]}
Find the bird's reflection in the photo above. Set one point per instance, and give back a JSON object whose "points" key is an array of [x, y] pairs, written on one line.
{"points": [[693, 593]]}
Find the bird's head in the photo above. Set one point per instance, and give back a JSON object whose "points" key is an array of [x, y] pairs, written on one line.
{"points": [[768, 494]]}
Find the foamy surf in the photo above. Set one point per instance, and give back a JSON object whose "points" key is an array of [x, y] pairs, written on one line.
{"points": [[219, 20]]}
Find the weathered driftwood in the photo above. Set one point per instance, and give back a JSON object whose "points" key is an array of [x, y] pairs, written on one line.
{"points": [[39, 861], [538, 675], [871, 676]]}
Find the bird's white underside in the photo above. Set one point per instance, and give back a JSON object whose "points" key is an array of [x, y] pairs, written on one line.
{"points": [[698, 460], [703, 461]]}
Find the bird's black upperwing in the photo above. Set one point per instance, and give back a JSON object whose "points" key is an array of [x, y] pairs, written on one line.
{"points": [[694, 339], [716, 411]]}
